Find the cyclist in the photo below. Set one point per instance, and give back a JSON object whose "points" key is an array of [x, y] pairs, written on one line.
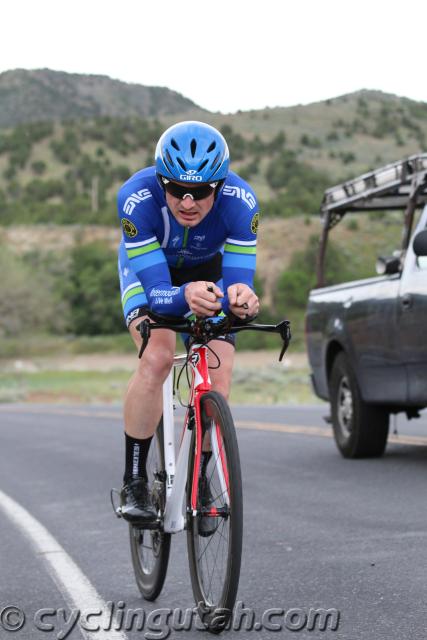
{"points": [[189, 242]]}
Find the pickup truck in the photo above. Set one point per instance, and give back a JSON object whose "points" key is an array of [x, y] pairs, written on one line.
{"points": [[366, 340]]}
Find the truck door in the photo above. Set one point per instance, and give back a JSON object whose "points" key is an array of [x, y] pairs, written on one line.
{"points": [[371, 324], [412, 315]]}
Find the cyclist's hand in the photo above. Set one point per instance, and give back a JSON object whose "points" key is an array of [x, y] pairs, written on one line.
{"points": [[243, 301], [201, 300]]}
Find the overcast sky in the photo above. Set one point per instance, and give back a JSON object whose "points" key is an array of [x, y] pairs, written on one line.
{"points": [[227, 54]]}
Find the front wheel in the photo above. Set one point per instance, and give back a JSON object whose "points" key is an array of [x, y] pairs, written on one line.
{"points": [[150, 547], [214, 531], [360, 429]]}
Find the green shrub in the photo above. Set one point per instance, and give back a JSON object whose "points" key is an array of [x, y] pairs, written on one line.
{"points": [[295, 282], [38, 167], [93, 291]]}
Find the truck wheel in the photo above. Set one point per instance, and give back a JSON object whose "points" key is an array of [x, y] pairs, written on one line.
{"points": [[360, 429]]}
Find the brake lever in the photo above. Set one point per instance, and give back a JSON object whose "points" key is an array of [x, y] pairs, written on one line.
{"points": [[145, 331], [285, 334]]}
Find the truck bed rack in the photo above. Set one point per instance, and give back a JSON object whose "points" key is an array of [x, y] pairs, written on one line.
{"points": [[388, 188], [400, 185]]}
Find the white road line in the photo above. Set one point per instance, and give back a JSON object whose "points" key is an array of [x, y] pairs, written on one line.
{"points": [[70, 580]]}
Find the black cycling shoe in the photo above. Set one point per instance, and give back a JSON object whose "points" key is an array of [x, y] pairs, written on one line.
{"points": [[136, 503], [207, 525]]}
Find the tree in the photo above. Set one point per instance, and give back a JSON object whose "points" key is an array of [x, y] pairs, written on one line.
{"points": [[27, 301], [295, 282], [93, 291]]}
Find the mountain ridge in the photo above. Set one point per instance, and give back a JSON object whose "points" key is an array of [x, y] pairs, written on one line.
{"points": [[42, 95], [69, 96]]}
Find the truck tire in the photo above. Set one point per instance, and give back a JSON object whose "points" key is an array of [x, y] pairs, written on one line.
{"points": [[360, 429]]}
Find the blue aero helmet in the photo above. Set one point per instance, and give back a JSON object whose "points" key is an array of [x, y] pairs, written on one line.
{"points": [[194, 153]]}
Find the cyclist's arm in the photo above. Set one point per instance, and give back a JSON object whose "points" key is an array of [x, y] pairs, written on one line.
{"points": [[148, 261], [239, 260]]}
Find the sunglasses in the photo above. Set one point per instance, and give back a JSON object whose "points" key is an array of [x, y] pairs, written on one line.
{"points": [[181, 190]]}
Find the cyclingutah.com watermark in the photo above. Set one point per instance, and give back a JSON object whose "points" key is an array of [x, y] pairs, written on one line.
{"points": [[159, 623]]}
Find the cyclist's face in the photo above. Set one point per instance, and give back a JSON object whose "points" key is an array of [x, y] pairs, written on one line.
{"points": [[187, 211]]}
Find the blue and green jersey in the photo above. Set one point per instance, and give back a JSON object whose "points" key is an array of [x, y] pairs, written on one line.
{"points": [[153, 241]]}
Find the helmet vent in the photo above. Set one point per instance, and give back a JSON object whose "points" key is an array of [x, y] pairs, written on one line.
{"points": [[175, 144], [203, 165], [215, 162], [212, 146], [181, 164], [193, 147], [168, 158]]}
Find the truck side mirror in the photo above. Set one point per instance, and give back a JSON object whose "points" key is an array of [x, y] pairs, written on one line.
{"points": [[388, 265], [420, 243]]}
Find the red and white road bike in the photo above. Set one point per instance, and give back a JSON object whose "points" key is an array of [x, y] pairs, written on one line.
{"points": [[214, 529]]}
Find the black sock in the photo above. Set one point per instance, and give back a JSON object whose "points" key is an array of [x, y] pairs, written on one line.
{"points": [[136, 457]]}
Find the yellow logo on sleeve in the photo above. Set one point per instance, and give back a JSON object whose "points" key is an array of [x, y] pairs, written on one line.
{"points": [[254, 223], [129, 228]]}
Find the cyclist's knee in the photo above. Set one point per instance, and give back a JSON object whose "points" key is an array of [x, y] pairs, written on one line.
{"points": [[157, 362]]}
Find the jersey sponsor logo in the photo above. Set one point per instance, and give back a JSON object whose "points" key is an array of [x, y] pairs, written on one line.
{"points": [[175, 240], [238, 192], [190, 176], [254, 223], [198, 242], [129, 228], [134, 199], [133, 314], [165, 292]]}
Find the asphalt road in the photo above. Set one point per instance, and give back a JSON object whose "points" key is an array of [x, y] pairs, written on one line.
{"points": [[321, 532]]}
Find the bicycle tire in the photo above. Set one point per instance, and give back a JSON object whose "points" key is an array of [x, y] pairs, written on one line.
{"points": [[150, 548], [215, 596]]}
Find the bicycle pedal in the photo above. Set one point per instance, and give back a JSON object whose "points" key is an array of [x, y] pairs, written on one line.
{"points": [[157, 525], [117, 509]]}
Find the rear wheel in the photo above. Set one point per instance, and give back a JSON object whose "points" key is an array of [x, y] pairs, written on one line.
{"points": [[214, 533], [360, 429], [150, 547]]}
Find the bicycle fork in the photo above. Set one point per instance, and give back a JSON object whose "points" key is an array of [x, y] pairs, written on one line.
{"points": [[176, 478]]}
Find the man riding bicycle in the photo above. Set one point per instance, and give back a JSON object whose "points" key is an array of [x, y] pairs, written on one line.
{"points": [[189, 243]]}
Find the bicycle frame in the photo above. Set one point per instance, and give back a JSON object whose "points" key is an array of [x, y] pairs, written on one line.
{"points": [[177, 474]]}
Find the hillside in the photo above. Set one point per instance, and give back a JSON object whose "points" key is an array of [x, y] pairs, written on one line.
{"points": [[69, 167], [279, 240], [43, 95]]}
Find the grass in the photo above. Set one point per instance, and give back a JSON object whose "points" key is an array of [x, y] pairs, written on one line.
{"points": [[268, 384], [63, 386], [272, 385], [35, 345]]}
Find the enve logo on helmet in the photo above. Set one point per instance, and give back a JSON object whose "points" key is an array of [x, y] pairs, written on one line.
{"points": [[190, 176]]}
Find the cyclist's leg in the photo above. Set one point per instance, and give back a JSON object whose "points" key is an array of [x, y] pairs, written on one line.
{"points": [[221, 377], [143, 400]]}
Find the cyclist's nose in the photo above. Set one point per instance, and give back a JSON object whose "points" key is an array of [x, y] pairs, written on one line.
{"points": [[187, 202]]}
